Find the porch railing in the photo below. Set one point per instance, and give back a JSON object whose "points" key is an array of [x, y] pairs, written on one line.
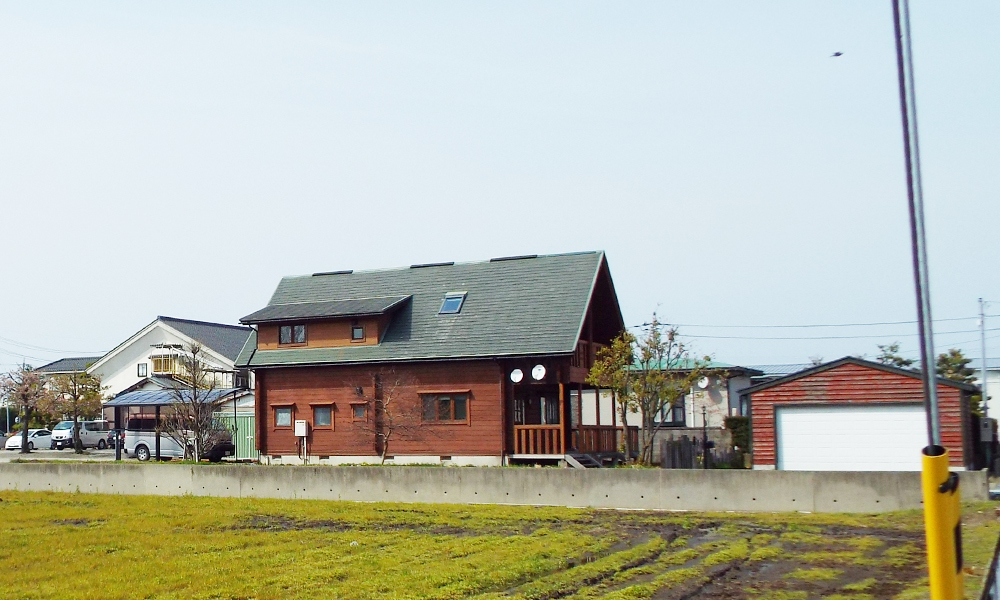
{"points": [[604, 438], [538, 439]]}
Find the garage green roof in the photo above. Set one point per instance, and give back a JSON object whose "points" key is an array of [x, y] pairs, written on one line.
{"points": [[521, 306]]}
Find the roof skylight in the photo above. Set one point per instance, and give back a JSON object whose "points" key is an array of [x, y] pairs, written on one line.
{"points": [[452, 304]]}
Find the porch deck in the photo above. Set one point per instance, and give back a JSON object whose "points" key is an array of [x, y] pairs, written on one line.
{"points": [[538, 441]]}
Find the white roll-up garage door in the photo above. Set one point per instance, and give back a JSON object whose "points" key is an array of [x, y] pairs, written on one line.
{"points": [[872, 437]]}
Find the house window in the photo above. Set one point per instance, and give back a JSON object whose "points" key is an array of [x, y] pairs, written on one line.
{"points": [[292, 334], [164, 364], [452, 304], [446, 407], [283, 416], [358, 411], [673, 415], [357, 333], [322, 416], [519, 411], [141, 370]]}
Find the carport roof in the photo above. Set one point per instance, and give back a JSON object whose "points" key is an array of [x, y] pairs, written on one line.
{"points": [[164, 397]]}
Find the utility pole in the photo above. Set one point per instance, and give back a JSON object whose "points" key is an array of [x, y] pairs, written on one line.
{"points": [[982, 353], [982, 385]]}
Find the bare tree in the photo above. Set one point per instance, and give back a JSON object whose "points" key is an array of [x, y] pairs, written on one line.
{"points": [[191, 420], [392, 410], [24, 387], [77, 394]]}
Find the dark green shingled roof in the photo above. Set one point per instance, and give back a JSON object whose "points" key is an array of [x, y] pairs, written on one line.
{"points": [[352, 307], [525, 306]]}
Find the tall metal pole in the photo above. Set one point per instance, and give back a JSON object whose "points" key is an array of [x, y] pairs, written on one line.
{"points": [[915, 198], [942, 511]]}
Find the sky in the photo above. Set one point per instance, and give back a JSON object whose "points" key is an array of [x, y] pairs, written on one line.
{"points": [[179, 158]]}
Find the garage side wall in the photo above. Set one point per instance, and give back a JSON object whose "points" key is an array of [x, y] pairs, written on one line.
{"points": [[853, 384]]}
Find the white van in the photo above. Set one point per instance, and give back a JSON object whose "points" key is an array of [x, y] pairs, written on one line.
{"points": [[93, 434], [140, 442]]}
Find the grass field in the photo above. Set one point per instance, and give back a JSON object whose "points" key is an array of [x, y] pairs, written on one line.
{"points": [[90, 546]]}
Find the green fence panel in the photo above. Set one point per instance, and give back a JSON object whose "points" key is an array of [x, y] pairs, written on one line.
{"points": [[243, 435]]}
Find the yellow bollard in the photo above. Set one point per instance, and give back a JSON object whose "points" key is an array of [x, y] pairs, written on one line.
{"points": [[943, 524]]}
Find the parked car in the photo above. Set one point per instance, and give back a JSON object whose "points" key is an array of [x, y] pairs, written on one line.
{"points": [[37, 438], [93, 434], [140, 442]]}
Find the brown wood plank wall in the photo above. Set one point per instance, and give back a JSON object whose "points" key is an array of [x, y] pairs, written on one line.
{"points": [[305, 387]]}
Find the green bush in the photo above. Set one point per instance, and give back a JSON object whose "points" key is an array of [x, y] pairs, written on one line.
{"points": [[740, 429]]}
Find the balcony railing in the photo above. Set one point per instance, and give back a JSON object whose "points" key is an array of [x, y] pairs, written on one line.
{"points": [[596, 439], [538, 439]]}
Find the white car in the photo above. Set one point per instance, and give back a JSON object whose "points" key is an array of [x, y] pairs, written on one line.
{"points": [[37, 438]]}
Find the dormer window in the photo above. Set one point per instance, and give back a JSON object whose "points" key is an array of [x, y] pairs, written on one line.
{"points": [[452, 304], [357, 332], [292, 334]]}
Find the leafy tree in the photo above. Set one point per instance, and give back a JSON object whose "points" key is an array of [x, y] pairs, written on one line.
{"points": [[665, 371], [889, 355], [612, 370], [648, 375], [955, 366], [75, 394], [191, 420], [23, 387]]}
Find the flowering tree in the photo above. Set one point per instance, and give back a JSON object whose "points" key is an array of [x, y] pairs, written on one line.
{"points": [[75, 394], [23, 387]]}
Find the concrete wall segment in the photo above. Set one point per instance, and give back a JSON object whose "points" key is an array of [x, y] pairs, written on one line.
{"points": [[659, 489]]}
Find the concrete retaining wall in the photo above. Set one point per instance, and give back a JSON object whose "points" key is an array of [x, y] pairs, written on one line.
{"points": [[654, 489]]}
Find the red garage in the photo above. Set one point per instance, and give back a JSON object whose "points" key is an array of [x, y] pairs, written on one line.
{"points": [[854, 415]]}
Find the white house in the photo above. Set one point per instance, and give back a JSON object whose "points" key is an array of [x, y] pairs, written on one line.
{"points": [[150, 358]]}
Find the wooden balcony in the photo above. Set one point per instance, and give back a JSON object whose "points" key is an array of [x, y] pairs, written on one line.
{"points": [[538, 439]]}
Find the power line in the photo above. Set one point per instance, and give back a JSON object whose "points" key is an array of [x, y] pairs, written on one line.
{"points": [[827, 337], [874, 324], [44, 349]]}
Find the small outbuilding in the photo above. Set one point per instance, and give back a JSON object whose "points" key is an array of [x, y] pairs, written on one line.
{"points": [[854, 415]]}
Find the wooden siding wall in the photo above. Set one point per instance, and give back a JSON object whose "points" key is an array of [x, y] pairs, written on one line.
{"points": [[322, 334], [305, 387], [855, 384]]}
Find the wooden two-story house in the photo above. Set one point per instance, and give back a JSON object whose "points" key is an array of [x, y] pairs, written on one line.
{"points": [[468, 364]]}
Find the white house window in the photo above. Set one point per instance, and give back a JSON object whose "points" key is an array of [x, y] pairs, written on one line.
{"points": [[141, 370]]}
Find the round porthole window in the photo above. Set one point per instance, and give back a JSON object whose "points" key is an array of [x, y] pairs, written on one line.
{"points": [[538, 373], [516, 375]]}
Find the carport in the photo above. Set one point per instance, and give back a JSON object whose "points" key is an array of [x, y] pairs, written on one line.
{"points": [[157, 399]]}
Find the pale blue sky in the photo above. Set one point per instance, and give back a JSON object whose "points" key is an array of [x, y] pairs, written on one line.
{"points": [[178, 158]]}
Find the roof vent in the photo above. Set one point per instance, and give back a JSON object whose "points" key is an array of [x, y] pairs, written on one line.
{"points": [[347, 272], [522, 257], [441, 264]]}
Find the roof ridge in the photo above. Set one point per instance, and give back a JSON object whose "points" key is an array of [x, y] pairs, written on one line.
{"points": [[445, 263], [342, 300], [195, 322]]}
